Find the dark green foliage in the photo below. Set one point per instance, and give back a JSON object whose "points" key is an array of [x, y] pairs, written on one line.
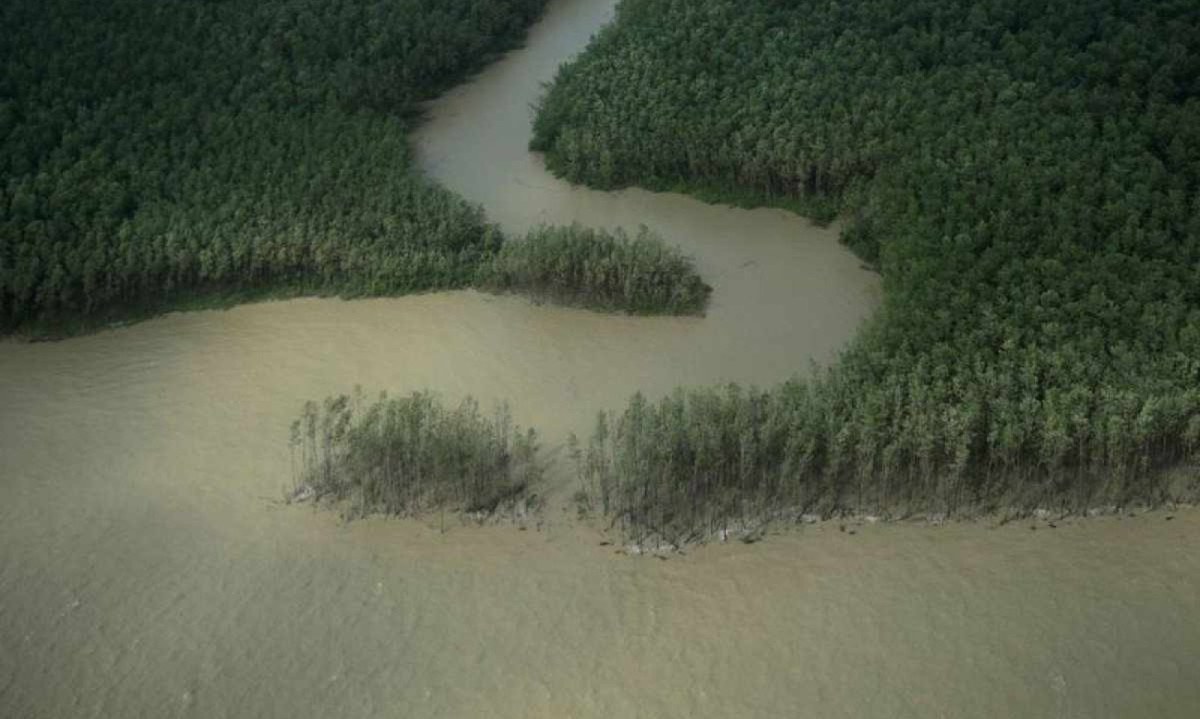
{"points": [[1026, 176], [598, 269], [408, 455], [155, 149]]}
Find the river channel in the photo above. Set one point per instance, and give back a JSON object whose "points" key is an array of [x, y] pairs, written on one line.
{"points": [[149, 568]]}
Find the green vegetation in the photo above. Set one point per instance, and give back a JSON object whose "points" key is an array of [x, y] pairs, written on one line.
{"points": [[598, 269], [1025, 175], [701, 461], [156, 151], [409, 455]]}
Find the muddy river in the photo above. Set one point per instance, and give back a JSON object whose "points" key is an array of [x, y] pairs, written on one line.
{"points": [[148, 567]]}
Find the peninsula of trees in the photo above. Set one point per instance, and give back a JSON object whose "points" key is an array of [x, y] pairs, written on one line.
{"points": [[598, 269]]}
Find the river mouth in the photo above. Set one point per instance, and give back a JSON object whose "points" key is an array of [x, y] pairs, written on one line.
{"points": [[149, 568]]}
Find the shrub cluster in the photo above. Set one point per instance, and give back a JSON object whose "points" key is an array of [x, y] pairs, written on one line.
{"points": [[407, 455]]}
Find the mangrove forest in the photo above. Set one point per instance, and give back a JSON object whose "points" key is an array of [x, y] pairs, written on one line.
{"points": [[1026, 178], [158, 152]]}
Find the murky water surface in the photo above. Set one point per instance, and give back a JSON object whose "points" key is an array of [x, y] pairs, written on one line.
{"points": [[147, 567]]}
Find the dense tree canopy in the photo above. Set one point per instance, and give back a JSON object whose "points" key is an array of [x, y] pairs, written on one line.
{"points": [[154, 148], [1026, 176], [602, 270]]}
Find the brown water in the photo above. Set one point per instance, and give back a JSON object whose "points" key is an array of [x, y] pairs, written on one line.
{"points": [[147, 568]]}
